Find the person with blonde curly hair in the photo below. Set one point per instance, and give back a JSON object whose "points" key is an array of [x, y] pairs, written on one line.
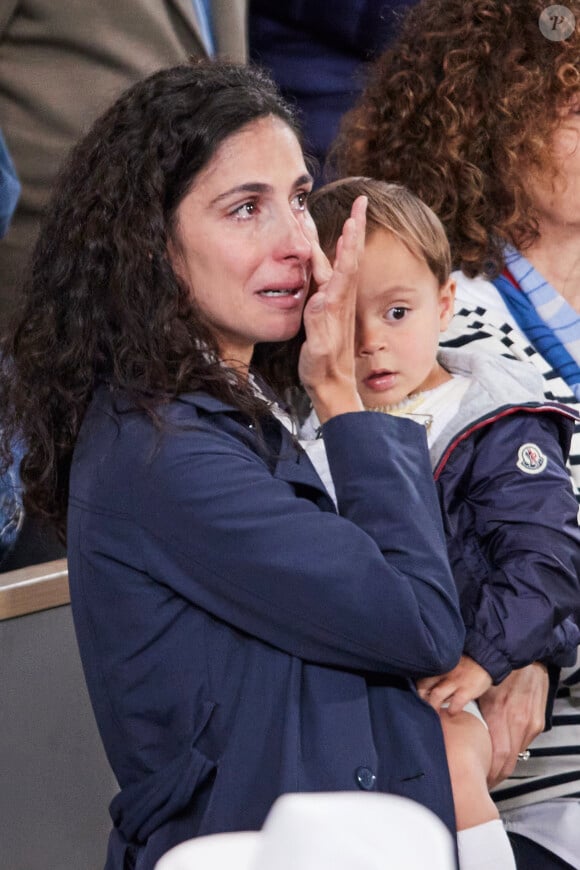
{"points": [[476, 108]]}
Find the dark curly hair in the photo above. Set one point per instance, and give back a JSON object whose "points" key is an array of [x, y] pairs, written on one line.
{"points": [[101, 302], [460, 109]]}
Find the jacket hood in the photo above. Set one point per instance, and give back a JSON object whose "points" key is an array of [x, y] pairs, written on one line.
{"points": [[497, 384], [500, 380]]}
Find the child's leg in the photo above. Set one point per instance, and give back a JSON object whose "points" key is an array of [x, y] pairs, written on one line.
{"points": [[468, 747], [482, 840]]}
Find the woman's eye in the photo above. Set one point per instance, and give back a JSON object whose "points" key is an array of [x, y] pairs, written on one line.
{"points": [[245, 211], [397, 313], [300, 200]]}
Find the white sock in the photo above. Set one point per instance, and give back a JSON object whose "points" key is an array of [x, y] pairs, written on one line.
{"points": [[485, 847]]}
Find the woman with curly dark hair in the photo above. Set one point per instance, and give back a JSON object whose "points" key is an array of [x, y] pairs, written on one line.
{"points": [[476, 108], [240, 637]]}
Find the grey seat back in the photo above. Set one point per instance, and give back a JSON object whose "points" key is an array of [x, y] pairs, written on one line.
{"points": [[55, 781]]}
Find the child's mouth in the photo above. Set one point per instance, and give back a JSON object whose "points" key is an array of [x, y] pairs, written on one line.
{"points": [[379, 381]]}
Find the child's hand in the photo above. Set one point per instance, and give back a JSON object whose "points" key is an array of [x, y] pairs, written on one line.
{"points": [[466, 682], [326, 366]]}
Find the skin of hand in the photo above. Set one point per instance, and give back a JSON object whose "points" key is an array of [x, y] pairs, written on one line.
{"points": [[466, 682], [515, 713], [326, 365]]}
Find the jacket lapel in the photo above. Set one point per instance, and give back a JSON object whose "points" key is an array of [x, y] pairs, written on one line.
{"points": [[295, 467], [291, 464]]}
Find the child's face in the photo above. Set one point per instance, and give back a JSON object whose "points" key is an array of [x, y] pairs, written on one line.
{"points": [[400, 312]]}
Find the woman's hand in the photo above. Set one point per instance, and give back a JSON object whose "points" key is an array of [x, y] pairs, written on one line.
{"points": [[515, 712], [466, 682], [326, 365]]}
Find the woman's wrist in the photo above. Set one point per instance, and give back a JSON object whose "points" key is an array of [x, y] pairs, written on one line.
{"points": [[334, 402]]}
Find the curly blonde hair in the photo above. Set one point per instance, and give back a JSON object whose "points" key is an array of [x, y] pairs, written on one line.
{"points": [[460, 109]]}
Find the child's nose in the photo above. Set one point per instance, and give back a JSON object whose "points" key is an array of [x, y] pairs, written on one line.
{"points": [[370, 341]]}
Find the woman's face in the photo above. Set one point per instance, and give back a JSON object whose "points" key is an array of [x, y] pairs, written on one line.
{"points": [[240, 241], [557, 197]]}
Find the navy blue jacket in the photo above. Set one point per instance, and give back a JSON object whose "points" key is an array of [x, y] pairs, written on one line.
{"points": [[239, 638], [317, 52], [510, 515]]}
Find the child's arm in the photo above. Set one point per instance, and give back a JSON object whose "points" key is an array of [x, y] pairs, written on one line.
{"points": [[523, 579]]}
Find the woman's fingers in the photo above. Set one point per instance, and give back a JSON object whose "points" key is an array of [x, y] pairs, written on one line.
{"points": [[359, 215], [458, 700], [339, 292], [350, 247], [349, 250], [515, 712], [316, 327], [330, 310], [326, 365], [321, 268], [467, 681], [441, 693], [425, 684], [435, 690]]}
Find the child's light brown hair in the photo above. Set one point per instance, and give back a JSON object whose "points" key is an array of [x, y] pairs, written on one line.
{"points": [[391, 207]]}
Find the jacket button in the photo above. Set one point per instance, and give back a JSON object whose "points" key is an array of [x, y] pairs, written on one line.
{"points": [[365, 778]]}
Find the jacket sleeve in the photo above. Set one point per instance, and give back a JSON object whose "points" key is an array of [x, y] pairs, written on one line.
{"points": [[526, 532], [370, 589]]}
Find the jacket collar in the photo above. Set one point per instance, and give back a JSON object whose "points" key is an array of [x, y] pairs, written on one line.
{"points": [[206, 402], [292, 464]]}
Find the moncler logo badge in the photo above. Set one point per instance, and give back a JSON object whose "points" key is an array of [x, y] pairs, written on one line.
{"points": [[531, 459]]}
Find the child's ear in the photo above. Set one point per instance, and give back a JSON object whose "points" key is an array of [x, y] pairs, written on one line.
{"points": [[446, 303]]}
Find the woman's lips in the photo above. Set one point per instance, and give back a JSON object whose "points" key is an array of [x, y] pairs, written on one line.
{"points": [[380, 381], [283, 297]]}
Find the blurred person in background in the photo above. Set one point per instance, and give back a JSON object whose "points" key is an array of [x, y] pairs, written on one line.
{"points": [[11, 510], [62, 63], [317, 53]]}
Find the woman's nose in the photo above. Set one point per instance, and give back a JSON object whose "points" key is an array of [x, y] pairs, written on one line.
{"points": [[293, 241]]}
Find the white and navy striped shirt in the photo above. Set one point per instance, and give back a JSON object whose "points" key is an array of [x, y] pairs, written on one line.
{"points": [[553, 769]]}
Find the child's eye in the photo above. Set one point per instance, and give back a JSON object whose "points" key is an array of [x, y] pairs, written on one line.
{"points": [[396, 313], [300, 200], [245, 211]]}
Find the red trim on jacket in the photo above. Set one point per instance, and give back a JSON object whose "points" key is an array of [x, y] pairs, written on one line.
{"points": [[512, 409]]}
